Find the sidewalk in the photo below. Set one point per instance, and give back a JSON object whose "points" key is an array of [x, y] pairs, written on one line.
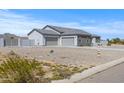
{"points": [[77, 77]]}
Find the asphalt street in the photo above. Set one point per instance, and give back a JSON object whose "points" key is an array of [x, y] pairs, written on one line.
{"points": [[111, 75]]}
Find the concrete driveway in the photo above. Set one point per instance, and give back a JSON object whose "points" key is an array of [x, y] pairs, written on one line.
{"points": [[112, 75]]}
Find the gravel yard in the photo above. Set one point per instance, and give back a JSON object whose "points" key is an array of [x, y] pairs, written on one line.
{"points": [[74, 56]]}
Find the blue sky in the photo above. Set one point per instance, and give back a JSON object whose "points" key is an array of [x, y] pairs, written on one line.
{"points": [[106, 23]]}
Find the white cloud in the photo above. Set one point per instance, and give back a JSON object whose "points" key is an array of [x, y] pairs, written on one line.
{"points": [[15, 23], [22, 24], [107, 29]]}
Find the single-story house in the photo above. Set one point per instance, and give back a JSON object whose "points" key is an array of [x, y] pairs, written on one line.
{"points": [[8, 39], [62, 36]]}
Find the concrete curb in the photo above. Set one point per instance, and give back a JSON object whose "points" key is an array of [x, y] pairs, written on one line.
{"points": [[79, 76]]}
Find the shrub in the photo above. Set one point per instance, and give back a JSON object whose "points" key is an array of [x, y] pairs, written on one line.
{"points": [[12, 53], [16, 69], [109, 44], [51, 51], [61, 72]]}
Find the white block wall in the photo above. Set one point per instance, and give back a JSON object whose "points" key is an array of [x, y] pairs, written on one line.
{"points": [[38, 38], [1, 42]]}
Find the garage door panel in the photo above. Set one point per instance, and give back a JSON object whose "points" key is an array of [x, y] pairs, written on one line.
{"points": [[68, 41], [51, 41], [9, 42]]}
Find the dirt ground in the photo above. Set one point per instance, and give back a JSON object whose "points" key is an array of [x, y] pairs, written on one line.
{"points": [[115, 46], [74, 56]]}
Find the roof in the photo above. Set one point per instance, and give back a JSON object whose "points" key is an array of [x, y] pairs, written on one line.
{"points": [[62, 31], [94, 35], [46, 32], [68, 31], [8, 35], [23, 37]]}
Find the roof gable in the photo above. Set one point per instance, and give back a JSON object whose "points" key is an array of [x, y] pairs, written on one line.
{"points": [[68, 31], [48, 27], [44, 32]]}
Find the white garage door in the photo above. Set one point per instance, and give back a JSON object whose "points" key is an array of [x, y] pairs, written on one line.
{"points": [[51, 41], [1, 42], [68, 41]]}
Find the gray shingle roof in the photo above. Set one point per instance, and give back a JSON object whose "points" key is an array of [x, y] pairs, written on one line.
{"points": [[68, 31], [62, 31], [46, 32], [94, 35], [23, 37], [8, 35]]}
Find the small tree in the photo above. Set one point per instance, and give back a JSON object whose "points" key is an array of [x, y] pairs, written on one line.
{"points": [[109, 42], [116, 40]]}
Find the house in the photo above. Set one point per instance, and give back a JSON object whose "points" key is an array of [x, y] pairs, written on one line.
{"points": [[62, 36], [8, 39]]}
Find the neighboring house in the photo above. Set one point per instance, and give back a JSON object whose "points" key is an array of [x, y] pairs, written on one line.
{"points": [[62, 36], [8, 39]]}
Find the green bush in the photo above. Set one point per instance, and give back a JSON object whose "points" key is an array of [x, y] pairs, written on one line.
{"points": [[21, 70]]}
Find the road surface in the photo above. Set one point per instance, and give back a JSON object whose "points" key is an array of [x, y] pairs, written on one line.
{"points": [[111, 75]]}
